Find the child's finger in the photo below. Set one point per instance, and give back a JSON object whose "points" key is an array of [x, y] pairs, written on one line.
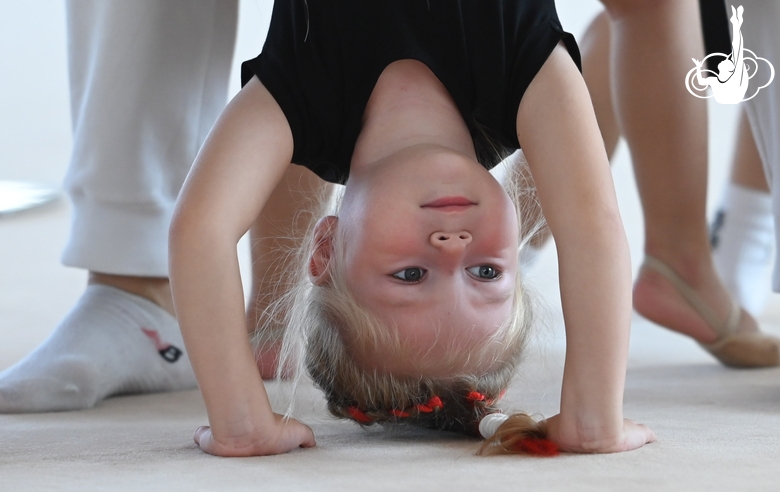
{"points": [[649, 433], [637, 435], [199, 433], [308, 443], [308, 438], [205, 441], [302, 435]]}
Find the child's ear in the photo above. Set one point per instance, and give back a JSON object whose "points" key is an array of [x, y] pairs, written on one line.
{"points": [[320, 261]]}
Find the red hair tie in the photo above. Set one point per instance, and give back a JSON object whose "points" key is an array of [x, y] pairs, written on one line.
{"points": [[475, 396], [358, 415], [399, 413], [491, 401], [537, 447], [433, 404]]}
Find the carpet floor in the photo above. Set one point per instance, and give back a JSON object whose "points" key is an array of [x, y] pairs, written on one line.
{"points": [[718, 429]]}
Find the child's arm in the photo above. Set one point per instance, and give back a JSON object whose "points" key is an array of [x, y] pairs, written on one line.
{"points": [[243, 159], [557, 129]]}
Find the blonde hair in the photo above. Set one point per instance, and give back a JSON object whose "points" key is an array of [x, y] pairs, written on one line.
{"points": [[317, 318]]}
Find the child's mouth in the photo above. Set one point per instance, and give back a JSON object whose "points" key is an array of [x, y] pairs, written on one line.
{"points": [[450, 203]]}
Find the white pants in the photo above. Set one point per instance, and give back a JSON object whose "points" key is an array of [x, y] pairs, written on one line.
{"points": [[759, 30], [148, 78]]}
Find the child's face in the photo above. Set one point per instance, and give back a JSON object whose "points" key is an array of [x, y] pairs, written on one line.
{"points": [[445, 276]]}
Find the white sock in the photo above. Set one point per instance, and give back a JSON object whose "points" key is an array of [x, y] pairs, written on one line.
{"points": [[743, 243], [111, 342]]}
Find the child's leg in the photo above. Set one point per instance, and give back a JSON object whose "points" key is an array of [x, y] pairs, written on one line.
{"points": [[276, 237], [147, 81], [742, 234], [653, 42]]}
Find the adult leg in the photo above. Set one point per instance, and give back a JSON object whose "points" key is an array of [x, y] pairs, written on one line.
{"points": [[276, 237], [596, 69], [742, 235], [665, 128], [147, 80]]}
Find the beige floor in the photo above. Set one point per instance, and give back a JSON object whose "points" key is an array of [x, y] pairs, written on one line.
{"points": [[718, 429]]}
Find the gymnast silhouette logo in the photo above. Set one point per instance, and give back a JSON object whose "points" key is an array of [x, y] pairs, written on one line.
{"points": [[730, 84]]}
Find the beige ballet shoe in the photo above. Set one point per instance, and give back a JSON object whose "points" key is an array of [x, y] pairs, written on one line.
{"points": [[731, 348]]}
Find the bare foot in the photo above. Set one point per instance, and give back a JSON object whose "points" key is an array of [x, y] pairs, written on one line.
{"points": [[657, 299], [736, 342]]}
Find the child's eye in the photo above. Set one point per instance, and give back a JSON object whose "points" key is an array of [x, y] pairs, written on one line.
{"points": [[484, 272], [411, 275]]}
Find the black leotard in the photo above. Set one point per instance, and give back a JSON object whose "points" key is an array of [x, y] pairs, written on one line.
{"points": [[322, 58]]}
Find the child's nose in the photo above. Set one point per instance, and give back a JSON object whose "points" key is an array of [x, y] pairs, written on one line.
{"points": [[450, 241]]}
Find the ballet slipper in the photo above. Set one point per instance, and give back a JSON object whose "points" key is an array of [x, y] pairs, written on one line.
{"points": [[732, 348]]}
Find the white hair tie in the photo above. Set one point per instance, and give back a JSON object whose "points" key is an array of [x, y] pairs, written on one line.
{"points": [[490, 424]]}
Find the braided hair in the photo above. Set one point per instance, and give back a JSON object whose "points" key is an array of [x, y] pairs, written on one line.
{"points": [[457, 404]]}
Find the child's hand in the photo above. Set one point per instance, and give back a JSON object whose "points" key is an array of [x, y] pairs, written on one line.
{"points": [[633, 436], [285, 436]]}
